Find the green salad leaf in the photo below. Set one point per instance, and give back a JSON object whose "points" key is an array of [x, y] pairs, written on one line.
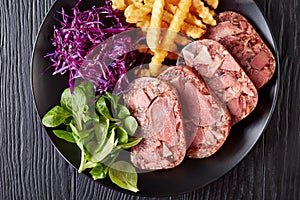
{"points": [[102, 108], [65, 135], [99, 172], [55, 117], [130, 124], [101, 128], [122, 112], [131, 143], [124, 175]]}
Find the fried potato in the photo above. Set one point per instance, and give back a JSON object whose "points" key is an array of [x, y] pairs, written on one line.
{"points": [[189, 17], [153, 33], [192, 31], [204, 12], [144, 23], [123, 4], [174, 28], [119, 4], [180, 15], [173, 2], [149, 1], [136, 12], [142, 48], [193, 20], [213, 3]]}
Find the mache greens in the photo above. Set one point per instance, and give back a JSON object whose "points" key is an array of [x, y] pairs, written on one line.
{"points": [[101, 128]]}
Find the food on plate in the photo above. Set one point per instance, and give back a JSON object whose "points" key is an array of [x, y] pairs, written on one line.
{"points": [[206, 119], [153, 34], [156, 106], [212, 3], [223, 75], [143, 48], [245, 45], [168, 40], [79, 33], [189, 17], [100, 129], [204, 12], [187, 110]]}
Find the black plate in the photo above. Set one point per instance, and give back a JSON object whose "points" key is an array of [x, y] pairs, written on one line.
{"points": [[192, 173]]}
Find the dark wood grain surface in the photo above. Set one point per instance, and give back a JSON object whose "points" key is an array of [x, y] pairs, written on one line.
{"points": [[31, 168]]}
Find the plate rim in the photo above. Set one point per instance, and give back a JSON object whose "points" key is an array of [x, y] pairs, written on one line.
{"points": [[140, 194]]}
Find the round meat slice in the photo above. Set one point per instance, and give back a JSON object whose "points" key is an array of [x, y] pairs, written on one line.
{"points": [[223, 75], [245, 45], [206, 120], [155, 105]]}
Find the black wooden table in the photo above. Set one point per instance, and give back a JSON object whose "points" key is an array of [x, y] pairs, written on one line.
{"points": [[31, 168]]}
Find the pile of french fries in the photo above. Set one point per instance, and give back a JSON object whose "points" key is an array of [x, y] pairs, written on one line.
{"points": [[189, 17]]}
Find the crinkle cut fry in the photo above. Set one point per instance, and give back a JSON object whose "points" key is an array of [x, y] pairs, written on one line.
{"points": [[119, 5], [191, 19], [135, 12], [153, 33], [175, 26], [189, 29], [212, 3], [123, 4], [204, 12]]}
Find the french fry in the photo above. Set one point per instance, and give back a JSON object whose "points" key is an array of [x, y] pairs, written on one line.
{"points": [[173, 2], [189, 17], [119, 4], [174, 28], [164, 24], [213, 3], [204, 12], [189, 29], [153, 33], [192, 31], [142, 48], [149, 1], [177, 22], [123, 4], [144, 24], [193, 20], [136, 12]]}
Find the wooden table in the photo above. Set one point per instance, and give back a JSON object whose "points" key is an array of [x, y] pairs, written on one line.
{"points": [[31, 168]]}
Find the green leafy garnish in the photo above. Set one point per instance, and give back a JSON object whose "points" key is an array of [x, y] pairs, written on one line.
{"points": [[130, 124], [124, 175], [65, 135], [55, 117], [99, 172], [100, 129]]}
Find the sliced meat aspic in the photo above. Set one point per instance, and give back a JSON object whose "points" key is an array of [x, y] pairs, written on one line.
{"points": [[245, 45], [223, 75], [155, 105], [206, 120]]}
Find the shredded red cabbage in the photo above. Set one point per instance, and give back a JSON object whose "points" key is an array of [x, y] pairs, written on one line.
{"points": [[83, 31]]}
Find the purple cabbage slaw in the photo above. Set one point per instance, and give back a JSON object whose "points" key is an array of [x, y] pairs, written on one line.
{"points": [[82, 32]]}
